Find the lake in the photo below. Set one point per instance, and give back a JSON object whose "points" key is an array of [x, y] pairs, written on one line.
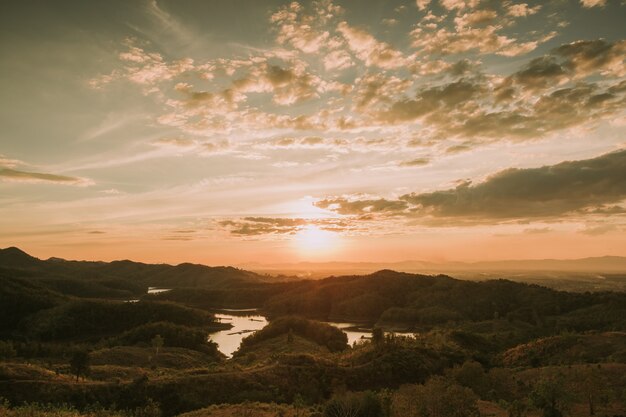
{"points": [[246, 322]]}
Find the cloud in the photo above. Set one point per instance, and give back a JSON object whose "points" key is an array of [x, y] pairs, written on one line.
{"points": [[541, 98], [9, 174], [593, 3], [418, 162], [304, 32], [570, 188], [532, 192], [522, 10], [459, 4], [598, 230], [144, 68], [8, 162], [260, 226], [422, 4], [369, 50], [387, 89], [430, 100], [175, 142], [342, 205], [538, 230], [337, 60], [587, 57], [484, 40], [373, 90], [476, 30]]}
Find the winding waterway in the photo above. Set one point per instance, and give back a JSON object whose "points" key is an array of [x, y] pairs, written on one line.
{"points": [[246, 322]]}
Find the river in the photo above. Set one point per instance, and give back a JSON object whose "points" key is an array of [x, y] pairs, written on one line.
{"points": [[246, 322]]}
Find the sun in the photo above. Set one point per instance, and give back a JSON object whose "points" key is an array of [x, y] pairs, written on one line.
{"points": [[311, 241]]}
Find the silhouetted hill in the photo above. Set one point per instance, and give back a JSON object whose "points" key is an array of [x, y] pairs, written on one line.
{"points": [[16, 258], [119, 279], [396, 299]]}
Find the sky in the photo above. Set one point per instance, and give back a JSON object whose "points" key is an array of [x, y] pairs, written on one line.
{"points": [[230, 132]]}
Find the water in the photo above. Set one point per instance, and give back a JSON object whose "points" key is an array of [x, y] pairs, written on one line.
{"points": [[354, 333], [245, 323], [155, 290], [228, 340]]}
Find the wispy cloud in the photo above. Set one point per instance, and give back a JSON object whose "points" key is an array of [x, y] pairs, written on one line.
{"points": [[14, 175]]}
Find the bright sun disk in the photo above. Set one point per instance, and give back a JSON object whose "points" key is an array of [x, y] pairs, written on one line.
{"points": [[313, 241]]}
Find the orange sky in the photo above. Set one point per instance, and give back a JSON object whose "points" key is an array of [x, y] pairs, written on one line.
{"points": [[270, 131]]}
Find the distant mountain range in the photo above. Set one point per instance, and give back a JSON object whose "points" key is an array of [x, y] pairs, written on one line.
{"points": [[599, 273], [597, 265]]}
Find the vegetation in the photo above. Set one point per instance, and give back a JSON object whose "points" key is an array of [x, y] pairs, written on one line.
{"points": [[321, 333], [70, 346]]}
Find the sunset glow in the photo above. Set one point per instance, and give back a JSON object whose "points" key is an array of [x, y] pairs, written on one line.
{"points": [[313, 242]]}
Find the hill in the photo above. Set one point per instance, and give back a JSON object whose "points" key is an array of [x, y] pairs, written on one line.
{"points": [[118, 279], [402, 300], [605, 273]]}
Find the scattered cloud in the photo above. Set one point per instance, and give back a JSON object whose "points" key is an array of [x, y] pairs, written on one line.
{"points": [[263, 226], [538, 230], [522, 10], [369, 50], [14, 175], [345, 206], [418, 162], [422, 4], [598, 230]]}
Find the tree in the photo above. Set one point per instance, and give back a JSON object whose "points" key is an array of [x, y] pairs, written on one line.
{"points": [[472, 375], [439, 397], [157, 343], [354, 405], [79, 364], [150, 409], [378, 336], [7, 351], [551, 395], [594, 387], [517, 408]]}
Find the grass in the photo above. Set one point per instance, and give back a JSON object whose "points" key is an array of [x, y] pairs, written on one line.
{"points": [[251, 410]]}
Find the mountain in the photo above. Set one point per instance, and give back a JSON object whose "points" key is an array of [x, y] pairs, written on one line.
{"points": [[407, 301], [16, 258], [603, 264], [606, 273], [62, 274]]}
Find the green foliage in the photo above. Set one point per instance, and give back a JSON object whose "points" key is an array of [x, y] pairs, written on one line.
{"points": [[19, 299], [324, 334], [419, 300], [551, 395], [250, 296], [171, 335], [84, 319]]}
